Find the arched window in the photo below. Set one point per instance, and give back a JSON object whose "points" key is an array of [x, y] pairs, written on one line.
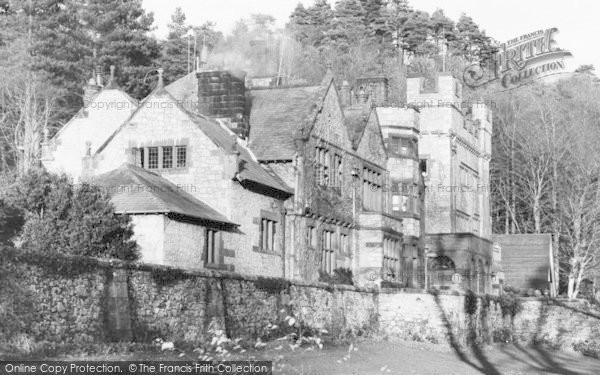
{"points": [[442, 268], [442, 263]]}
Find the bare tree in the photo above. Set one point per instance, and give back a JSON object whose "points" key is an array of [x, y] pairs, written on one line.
{"points": [[26, 109], [578, 188]]}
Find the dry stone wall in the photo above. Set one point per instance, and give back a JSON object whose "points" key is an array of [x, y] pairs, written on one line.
{"points": [[67, 300]]}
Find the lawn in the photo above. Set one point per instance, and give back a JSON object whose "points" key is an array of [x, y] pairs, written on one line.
{"points": [[373, 357]]}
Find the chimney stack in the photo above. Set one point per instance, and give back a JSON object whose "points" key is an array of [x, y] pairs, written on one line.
{"points": [[90, 89], [99, 75], [345, 95], [362, 96], [222, 95], [376, 88]]}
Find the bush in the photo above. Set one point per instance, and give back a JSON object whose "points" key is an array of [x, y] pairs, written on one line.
{"points": [[510, 304], [62, 218], [470, 302], [11, 222], [272, 285], [391, 284], [587, 348], [340, 276]]}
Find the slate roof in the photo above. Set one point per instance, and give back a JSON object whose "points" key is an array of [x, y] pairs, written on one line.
{"points": [[250, 170], [135, 190], [223, 138], [185, 90], [276, 116]]}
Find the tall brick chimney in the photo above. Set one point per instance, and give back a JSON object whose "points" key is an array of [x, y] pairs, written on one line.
{"points": [[222, 95]]}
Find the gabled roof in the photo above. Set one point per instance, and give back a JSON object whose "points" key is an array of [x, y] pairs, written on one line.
{"points": [[224, 139], [85, 108], [136, 190], [356, 120], [276, 116], [250, 169], [185, 91]]}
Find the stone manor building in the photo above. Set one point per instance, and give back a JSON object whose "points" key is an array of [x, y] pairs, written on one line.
{"points": [[221, 171]]}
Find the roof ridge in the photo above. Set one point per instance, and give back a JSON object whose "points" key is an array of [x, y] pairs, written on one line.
{"points": [[86, 105]]}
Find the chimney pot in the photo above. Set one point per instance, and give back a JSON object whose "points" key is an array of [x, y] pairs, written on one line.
{"points": [[99, 75], [345, 94], [160, 77]]}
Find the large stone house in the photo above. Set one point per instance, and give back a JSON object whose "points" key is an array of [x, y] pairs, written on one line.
{"points": [[455, 151], [220, 172]]}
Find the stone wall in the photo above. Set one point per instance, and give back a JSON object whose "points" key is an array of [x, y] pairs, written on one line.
{"points": [[68, 300], [445, 319], [56, 303]]}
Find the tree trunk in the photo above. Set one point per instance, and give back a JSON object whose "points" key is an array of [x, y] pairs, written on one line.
{"points": [[537, 213], [571, 286]]}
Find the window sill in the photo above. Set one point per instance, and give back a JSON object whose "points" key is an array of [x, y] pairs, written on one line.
{"points": [[257, 249], [165, 170], [335, 189], [219, 266]]}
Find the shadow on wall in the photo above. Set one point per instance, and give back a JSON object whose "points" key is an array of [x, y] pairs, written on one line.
{"points": [[537, 356], [477, 359]]}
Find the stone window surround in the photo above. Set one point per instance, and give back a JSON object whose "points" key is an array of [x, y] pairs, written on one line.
{"points": [[163, 143], [392, 256], [276, 219], [401, 138], [212, 240], [428, 85], [329, 166], [220, 252], [345, 232], [311, 236], [328, 253], [410, 196], [372, 186], [357, 160], [337, 229]]}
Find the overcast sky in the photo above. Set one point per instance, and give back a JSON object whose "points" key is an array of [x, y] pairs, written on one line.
{"points": [[577, 20]]}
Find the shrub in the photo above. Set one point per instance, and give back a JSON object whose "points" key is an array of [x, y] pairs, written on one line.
{"points": [[340, 276], [587, 348], [62, 218], [167, 276], [510, 304], [11, 221], [272, 285], [470, 302], [391, 284]]}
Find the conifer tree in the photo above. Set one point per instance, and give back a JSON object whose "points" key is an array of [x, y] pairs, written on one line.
{"points": [[119, 35], [175, 59], [471, 42]]}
